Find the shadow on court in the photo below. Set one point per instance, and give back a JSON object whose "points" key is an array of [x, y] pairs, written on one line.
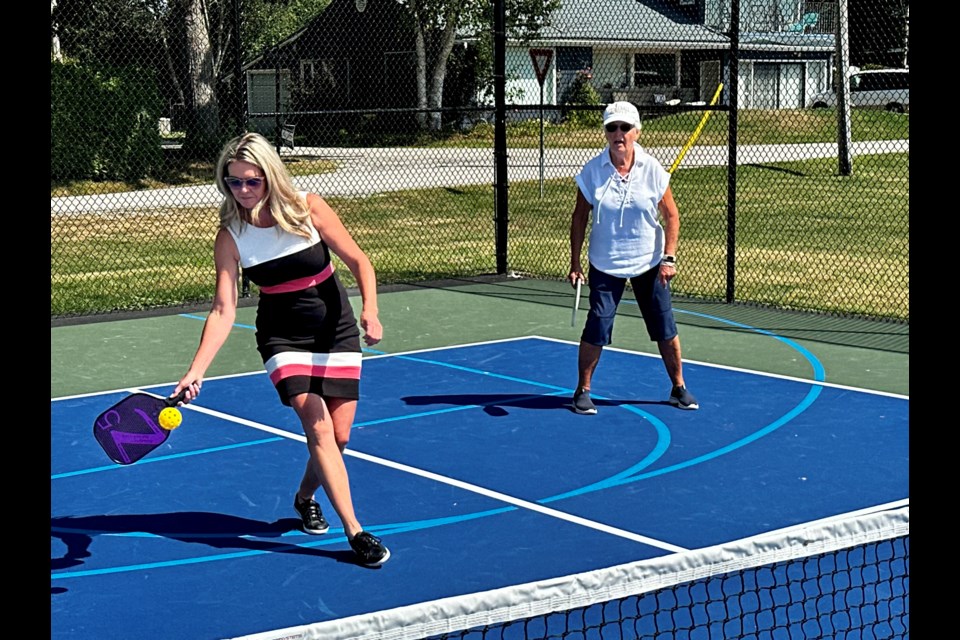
{"points": [[494, 404]]}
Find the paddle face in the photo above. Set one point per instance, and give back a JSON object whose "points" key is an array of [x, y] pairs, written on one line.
{"points": [[130, 429]]}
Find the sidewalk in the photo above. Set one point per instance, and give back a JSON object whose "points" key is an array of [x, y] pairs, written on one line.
{"points": [[366, 172]]}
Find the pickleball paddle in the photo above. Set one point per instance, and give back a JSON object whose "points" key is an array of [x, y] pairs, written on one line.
{"points": [[576, 304], [131, 428]]}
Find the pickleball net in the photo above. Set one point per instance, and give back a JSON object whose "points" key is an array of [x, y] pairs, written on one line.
{"points": [[839, 578]]}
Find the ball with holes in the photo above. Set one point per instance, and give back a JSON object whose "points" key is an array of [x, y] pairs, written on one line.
{"points": [[170, 418]]}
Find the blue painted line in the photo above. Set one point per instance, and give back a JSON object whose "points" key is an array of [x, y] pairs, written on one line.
{"points": [[174, 456], [632, 474], [195, 317], [464, 407], [624, 477], [819, 373], [328, 540], [487, 373], [660, 448], [793, 413]]}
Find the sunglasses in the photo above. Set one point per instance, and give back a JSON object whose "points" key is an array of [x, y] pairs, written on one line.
{"points": [[237, 183], [613, 126]]}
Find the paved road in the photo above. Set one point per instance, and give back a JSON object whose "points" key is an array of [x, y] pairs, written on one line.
{"points": [[365, 172]]}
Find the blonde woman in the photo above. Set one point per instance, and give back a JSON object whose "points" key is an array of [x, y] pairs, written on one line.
{"points": [[307, 333]]}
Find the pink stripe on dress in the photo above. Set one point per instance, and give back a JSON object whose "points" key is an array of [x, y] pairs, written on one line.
{"points": [[300, 283], [313, 370]]}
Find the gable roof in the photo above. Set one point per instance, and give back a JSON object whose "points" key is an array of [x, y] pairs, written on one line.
{"points": [[632, 22], [655, 23]]}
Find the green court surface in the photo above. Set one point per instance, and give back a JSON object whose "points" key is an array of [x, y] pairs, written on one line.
{"points": [[157, 348]]}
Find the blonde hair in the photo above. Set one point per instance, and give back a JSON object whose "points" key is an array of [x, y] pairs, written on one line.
{"points": [[287, 206]]}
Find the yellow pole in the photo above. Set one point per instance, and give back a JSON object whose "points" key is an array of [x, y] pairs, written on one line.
{"points": [[696, 133]]}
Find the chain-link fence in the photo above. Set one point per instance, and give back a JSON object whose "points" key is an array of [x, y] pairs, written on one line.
{"points": [[447, 135]]}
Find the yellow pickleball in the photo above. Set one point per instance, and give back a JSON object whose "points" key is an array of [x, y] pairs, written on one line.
{"points": [[170, 418]]}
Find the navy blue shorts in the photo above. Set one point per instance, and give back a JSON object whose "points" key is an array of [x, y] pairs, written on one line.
{"points": [[605, 294]]}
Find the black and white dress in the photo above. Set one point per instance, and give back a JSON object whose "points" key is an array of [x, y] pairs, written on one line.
{"points": [[307, 333]]}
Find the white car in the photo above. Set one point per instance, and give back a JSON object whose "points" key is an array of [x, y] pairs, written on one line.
{"points": [[877, 88]]}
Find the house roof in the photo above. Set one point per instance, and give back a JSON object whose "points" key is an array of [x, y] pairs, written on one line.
{"points": [[653, 23], [634, 22]]}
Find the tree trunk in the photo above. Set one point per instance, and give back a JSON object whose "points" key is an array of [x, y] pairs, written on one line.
{"points": [[421, 49], [55, 52], [906, 35], [434, 42], [205, 117], [435, 97]]}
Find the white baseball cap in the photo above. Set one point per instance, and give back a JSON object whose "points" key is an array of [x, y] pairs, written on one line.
{"points": [[621, 112]]}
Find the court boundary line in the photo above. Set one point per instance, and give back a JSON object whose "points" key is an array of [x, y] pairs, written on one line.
{"points": [[378, 355], [454, 482]]}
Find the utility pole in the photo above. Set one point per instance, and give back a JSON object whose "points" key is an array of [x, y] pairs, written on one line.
{"points": [[842, 87]]}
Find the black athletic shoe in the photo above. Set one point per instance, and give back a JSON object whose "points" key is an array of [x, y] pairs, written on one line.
{"points": [[310, 515], [369, 549], [582, 403], [683, 399]]}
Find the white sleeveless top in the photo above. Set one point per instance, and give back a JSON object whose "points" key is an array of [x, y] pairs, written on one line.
{"points": [[261, 244], [626, 238]]}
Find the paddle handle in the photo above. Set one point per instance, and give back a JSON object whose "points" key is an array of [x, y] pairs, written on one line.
{"points": [[576, 305], [173, 401]]}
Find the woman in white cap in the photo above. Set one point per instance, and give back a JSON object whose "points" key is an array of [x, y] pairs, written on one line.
{"points": [[627, 191]]}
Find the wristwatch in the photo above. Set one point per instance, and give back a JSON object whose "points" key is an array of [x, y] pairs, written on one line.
{"points": [[669, 260]]}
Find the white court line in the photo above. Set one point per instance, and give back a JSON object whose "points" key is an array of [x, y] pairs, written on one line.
{"points": [[534, 337], [496, 495]]}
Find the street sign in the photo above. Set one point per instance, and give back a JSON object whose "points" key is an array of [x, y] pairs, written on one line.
{"points": [[541, 62]]}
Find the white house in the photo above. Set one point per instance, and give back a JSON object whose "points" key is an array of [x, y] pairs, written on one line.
{"points": [[650, 51]]}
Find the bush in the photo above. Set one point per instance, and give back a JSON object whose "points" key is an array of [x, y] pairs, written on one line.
{"points": [[582, 93], [91, 143]]}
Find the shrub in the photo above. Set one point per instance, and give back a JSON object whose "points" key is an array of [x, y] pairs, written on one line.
{"points": [[91, 143], [582, 93]]}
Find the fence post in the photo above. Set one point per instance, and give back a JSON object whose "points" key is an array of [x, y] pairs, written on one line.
{"points": [[733, 106], [500, 133]]}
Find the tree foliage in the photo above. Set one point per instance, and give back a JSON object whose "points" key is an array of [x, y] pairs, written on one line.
{"points": [[439, 23], [879, 33], [190, 46], [266, 23]]}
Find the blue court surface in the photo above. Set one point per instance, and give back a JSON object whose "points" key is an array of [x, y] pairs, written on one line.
{"points": [[469, 464]]}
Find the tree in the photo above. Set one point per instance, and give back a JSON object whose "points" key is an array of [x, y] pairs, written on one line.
{"points": [[55, 52], [106, 33], [204, 124], [879, 32], [437, 23], [266, 23]]}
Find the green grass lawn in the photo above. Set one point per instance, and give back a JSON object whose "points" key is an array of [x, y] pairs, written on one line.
{"points": [[795, 245], [804, 236], [783, 126]]}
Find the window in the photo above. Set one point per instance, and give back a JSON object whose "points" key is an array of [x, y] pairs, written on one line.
{"points": [[879, 82], [306, 70], [574, 58], [262, 91], [654, 70], [571, 61]]}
